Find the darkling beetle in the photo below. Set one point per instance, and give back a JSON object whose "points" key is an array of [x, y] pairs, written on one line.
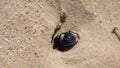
{"points": [[65, 41]]}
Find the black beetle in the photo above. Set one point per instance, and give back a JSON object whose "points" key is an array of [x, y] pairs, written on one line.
{"points": [[65, 41]]}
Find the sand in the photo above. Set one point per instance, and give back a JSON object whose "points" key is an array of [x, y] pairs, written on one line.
{"points": [[26, 27]]}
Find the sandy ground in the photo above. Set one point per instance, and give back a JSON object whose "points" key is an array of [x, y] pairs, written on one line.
{"points": [[26, 27]]}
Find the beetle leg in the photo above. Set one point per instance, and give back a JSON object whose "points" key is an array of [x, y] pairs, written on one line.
{"points": [[62, 20], [75, 33], [62, 17], [116, 32], [55, 31]]}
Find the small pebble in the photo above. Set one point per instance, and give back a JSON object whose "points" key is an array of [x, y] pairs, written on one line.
{"points": [[0, 47]]}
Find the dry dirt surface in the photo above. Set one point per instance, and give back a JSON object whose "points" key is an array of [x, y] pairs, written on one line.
{"points": [[26, 27]]}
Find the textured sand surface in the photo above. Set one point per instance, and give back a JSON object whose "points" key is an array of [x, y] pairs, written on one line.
{"points": [[26, 27]]}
